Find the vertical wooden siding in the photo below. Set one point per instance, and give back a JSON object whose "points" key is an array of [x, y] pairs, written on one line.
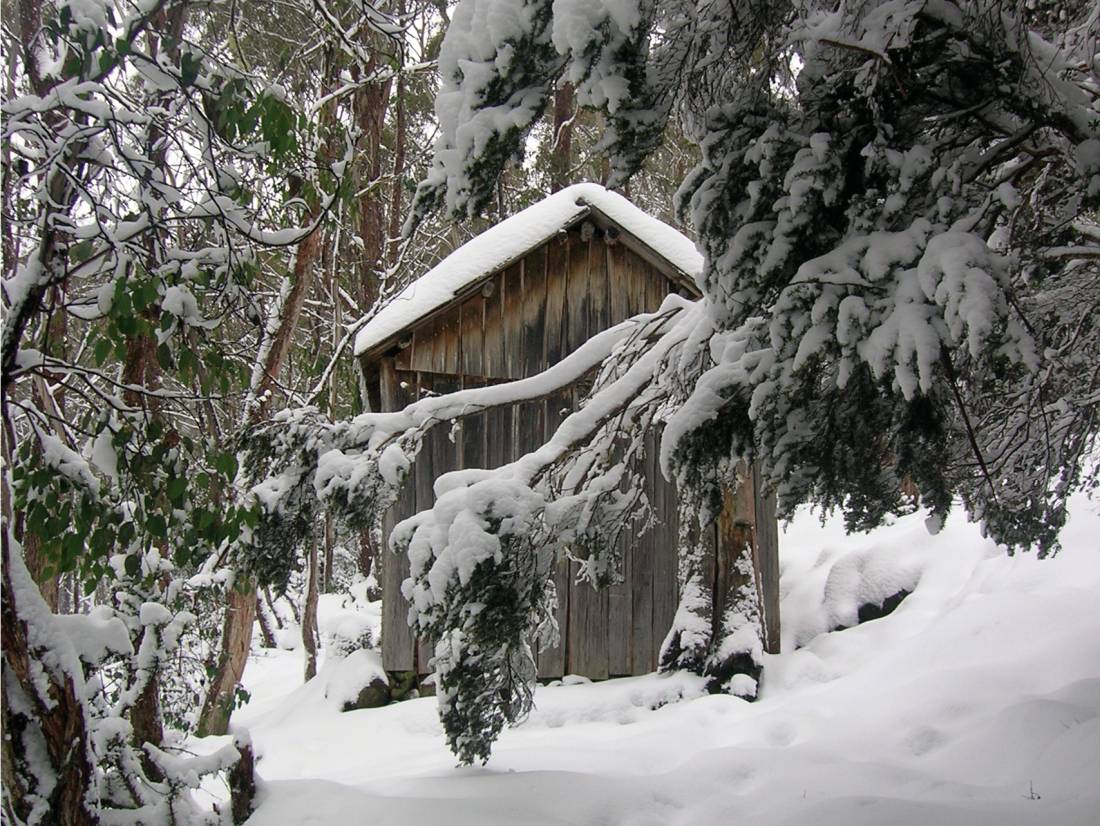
{"points": [[536, 312]]}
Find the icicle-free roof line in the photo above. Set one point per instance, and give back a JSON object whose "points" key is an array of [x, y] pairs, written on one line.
{"points": [[513, 238]]}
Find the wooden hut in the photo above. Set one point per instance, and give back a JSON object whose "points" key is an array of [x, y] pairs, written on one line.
{"points": [[507, 305]]}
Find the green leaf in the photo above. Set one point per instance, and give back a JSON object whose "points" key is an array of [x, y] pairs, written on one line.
{"points": [[107, 61], [177, 487], [189, 69], [132, 564], [81, 252], [226, 464], [127, 325], [102, 350], [123, 305], [157, 526], [164, 357], [72, 547]]}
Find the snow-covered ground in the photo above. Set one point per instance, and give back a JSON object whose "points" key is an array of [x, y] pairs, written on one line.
{"points": [[977, 701]]}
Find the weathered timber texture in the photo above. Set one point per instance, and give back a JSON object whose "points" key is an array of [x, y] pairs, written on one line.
{"points": [[516, 323], [397, 638]]}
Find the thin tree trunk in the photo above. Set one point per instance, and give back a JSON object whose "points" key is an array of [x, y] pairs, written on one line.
{"points": [[237, 628], [242, 781], [142, 369], [397, 187], [271, 607], [561, 156], [236, 640], [371, 103], [330, 552], [292, 311], [145, 717], [265, 624], [49, 712], [309, 614]]}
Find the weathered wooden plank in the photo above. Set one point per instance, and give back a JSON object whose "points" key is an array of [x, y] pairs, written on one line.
{"points": [[665, 590], [448, 334], [618, 281], [577, 298], [473, 432], [471, 335], [599, 304], [438, 456], [657, 287], [579, 644], [397, 638], [422, 349], [493, 332], [587, 629], [498, 422], [445, 453], [588, 608], [767, 545], [529, 417], [643, 651], [613, 602], [512, 302], [637, 278], [534, 312], [552, 660], [423, 475], [619, 615], [557, 277], [499, 436]]}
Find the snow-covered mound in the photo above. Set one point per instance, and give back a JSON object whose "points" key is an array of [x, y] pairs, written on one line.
{"points": [[977, 701]]}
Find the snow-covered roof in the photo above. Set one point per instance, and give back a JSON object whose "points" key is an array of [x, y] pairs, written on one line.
{"points": [[513, 238]]}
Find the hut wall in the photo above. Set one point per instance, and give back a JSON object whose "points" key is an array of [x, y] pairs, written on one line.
{"points": [[519, 322]]}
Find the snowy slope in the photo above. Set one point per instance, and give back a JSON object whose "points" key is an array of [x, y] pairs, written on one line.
{"points": [[513, 238], [977, 701]]}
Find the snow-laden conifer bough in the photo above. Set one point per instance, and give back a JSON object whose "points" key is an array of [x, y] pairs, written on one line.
{"points": [[896, 204]]}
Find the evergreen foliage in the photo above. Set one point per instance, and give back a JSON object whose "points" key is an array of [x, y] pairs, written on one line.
{"points": [[897, 202]]}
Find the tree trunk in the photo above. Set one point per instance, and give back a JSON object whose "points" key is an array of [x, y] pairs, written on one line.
{"points": [[48, 716], [330, 552], [371, 103], [561, 154], [397, 187], [242, 781], [236, 640], [309, 614], [145, 717], [271, 607], [36, 565], [265, 624], [237, 629], [720, 629]]}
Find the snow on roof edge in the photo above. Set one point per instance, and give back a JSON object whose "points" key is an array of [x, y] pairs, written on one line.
{"points": [[513, 238]]}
